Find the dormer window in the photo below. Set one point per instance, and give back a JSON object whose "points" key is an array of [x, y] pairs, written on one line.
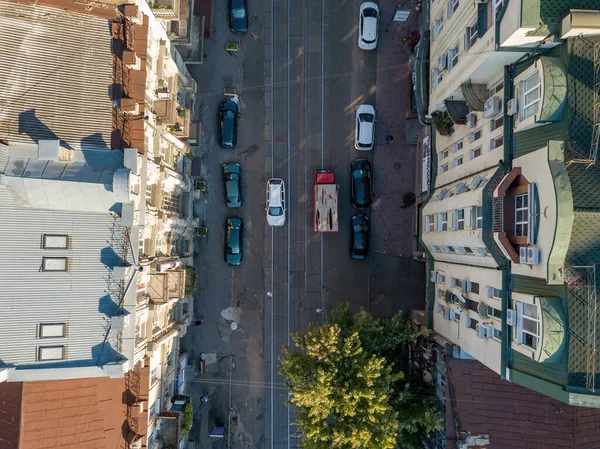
{"points": [[521, 215], [528, 325], [530, 96]]}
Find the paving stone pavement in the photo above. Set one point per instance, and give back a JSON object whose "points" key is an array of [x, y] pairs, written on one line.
{"points": [[393, 216]]}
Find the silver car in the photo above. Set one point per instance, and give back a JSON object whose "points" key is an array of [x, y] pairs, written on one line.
{"points": [[275, 202]]}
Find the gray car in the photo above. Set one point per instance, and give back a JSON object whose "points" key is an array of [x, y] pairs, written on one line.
{"points": [[232, 177]]}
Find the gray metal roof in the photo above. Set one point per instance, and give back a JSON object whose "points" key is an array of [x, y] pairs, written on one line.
{"points": [[56, 76]]}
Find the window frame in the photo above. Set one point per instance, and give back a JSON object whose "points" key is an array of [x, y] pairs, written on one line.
{"points": [[443, 221], [475, 153], [470, 38], [45, 241], [496, 8], [494, 123], [458, 161], [438, 25], [151, 410], [45, 267], [460, 221], [63, 355], [50, 326], [430, 223], [444, 168], [452, 7], [455, 50], [532, 105], [494, 142], [520, 224], [478, 218], [444, 154], [535, 338]]}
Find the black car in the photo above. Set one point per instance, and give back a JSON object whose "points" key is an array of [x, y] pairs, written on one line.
{"points": [[360, 175], [233, 241], [228, 118], [232, 174], [238, 16], [359, 238]]}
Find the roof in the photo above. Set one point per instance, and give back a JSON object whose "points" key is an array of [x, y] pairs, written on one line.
{"points": [[79, 413], [58, 78], [536, 12], [478, 402], [326, 207], [10, 414]]}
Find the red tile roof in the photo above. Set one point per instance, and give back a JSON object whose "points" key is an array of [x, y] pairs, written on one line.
{"points": [[480, 403], [73, 414]]}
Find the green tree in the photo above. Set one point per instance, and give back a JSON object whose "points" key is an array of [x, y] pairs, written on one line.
{"points": [[348, 391]]}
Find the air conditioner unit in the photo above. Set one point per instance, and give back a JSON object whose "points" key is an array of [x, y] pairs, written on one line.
{"points": [[471, 120], [483, 331], [533, 256], [442, 60], [512, 106], [511, 317], [491, 107], [523, 254]]}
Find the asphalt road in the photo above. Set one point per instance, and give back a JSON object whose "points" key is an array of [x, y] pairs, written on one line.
{"points": [[300, 76]]}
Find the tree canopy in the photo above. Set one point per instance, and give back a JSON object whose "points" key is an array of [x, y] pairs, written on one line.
{"points": [[348, 388]]}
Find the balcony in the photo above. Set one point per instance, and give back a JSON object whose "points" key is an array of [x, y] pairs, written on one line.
{"points": [[165, 9], [181, 127], [164, 287]]}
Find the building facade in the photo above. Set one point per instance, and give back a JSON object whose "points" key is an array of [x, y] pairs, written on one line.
{"points": [[509, 222]]}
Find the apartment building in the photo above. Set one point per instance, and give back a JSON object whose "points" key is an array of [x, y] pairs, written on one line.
{"points": [[95, 190], [510, 225]]}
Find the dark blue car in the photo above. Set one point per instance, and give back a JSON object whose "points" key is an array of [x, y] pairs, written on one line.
{"points": [[238, 16]]}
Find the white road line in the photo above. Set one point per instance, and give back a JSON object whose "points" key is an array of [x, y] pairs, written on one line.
{"points": [[289, 153], [272, 234], [306, 150], [322, 133]]}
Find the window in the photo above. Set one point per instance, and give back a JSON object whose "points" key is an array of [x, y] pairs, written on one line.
{"points": [[497, 142], [458, 283], [441, 278], [530, 95], [496, 124], [457, 316], [494, 292], [458, 161], [449, 248], [459, 215], [528, 326], [444, 154], [48, 353], [474, 136], [477, 217], [155, 320], [481, 251], [442, 221], [53, 241], [438, 25], [475, 153], [472, 323], [474, 287], [153, 411], [452, 57], [152, 439], [154, 375], [434, 248], [470, 36], [452, 7], [444, 168], [496, 313], [457, 146], [138, 332], [440, 308], [497, 88], [52, 330], [521, 215], [54, 264], [430, 223], [497, 334]]}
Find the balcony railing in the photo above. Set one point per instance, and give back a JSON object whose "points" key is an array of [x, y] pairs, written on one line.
{"points": [[498, 214]]}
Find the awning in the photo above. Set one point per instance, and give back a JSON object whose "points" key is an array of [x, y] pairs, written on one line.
{"points": [[458, 110], [422, 78]]}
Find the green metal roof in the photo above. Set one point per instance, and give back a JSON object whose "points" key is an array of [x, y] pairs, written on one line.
{"points": [[535, 13], [554, 331], [554, 101]]}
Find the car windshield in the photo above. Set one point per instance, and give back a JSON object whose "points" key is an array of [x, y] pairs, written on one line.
{"points": [[368, 118], [369, 12], [275, 211], [237, 9]]}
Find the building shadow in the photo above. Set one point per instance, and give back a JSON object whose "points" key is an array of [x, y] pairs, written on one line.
{"points": [[32, 126]]}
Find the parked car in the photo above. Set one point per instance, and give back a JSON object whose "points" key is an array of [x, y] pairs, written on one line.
{"points": [[365, 127], [238, 16], [275, 202], [360, 176], [359, 238], [232, 177], [368, 24], [228, 118], [234, 241]]}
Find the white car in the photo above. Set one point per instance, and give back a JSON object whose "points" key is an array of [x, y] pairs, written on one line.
{"points": [[365, 127], [368, 26], [275, 202]]}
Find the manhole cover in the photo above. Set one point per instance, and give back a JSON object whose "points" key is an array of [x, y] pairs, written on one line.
{"points": [[397, 165]]}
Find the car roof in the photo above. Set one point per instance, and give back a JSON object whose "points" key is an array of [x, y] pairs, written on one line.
{"points": [[370, 28], [365, 132], [274, 194]]}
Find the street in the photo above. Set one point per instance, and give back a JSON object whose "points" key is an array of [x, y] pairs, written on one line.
{"points": [[300, 76]]}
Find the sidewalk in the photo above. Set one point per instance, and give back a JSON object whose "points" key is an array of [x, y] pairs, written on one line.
{"points": [[393, 214]]}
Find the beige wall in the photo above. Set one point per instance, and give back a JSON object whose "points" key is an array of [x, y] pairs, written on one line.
{"points": [[486, 350]]}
